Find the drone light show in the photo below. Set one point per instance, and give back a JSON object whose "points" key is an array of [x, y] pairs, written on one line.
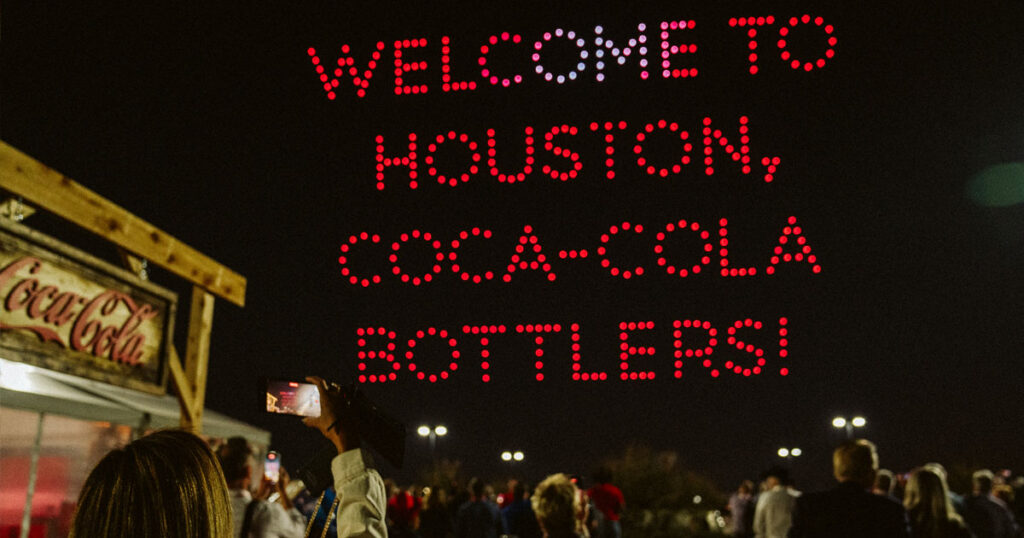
{"points": [[703, 226], [619, 152]]}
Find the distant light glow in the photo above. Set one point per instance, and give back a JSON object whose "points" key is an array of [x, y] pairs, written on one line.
{"points": [[839, 422], [441, 431], [518, 456], [796, 452], [858, 422], [783, 452], [506, 456], [423, 431]]}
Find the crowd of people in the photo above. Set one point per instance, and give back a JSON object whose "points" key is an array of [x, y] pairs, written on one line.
{"points": [[477, 511], [171, 483], [872, 502]]}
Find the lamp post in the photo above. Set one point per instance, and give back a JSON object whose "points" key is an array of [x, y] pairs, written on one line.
{"points": [[432, 433], [840, 423]]}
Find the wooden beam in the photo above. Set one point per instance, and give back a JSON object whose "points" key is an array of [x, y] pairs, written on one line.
{"points": [[182, 385], [48, 189], [197, 355]]}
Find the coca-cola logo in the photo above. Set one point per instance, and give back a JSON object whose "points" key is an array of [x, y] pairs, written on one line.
{"points": [[105, 324]]}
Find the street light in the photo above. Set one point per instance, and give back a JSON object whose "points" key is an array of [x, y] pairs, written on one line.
{"points": [[433, 433], [840, 423], [789, 453], [512, 456]]}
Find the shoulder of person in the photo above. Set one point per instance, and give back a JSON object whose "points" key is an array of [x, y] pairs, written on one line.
{"points": [[265, 508]]}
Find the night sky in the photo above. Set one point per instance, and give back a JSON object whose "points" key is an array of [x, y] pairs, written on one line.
{"points": [[210, 122]]}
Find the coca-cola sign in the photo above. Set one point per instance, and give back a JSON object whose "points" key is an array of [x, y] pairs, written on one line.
{"points": [[65, 310]]}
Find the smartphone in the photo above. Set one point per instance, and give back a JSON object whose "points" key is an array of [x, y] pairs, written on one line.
{"points": [[272, 466], [292, 398]]}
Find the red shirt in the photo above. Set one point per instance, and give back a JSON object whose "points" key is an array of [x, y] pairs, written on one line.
{"points": [[608, 499], [403, 509]]}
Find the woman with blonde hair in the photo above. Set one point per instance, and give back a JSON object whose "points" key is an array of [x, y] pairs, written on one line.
{"points": [[927, 502], [165, 484], [560, 508]]}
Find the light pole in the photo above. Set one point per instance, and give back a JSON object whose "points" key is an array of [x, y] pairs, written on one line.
{"points": [[432, 434], [840, 423]]}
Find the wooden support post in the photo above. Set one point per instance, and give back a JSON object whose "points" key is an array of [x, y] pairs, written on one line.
{"points": [[197, 356], [184, 389]]}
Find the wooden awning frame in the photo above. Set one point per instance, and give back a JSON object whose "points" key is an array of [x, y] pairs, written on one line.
{"points": [[48, 189]]}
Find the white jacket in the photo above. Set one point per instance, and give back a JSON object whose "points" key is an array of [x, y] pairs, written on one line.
{"points": [[362, 500]]}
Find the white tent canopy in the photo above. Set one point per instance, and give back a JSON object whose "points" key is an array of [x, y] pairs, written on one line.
{"points": [[27, 387]]}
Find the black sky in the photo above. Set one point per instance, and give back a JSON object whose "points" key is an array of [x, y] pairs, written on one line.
{"points": [[209, 122]]}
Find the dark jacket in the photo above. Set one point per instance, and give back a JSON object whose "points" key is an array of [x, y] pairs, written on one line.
{"points": [[848, 511], [988, 517], [479, 519]]}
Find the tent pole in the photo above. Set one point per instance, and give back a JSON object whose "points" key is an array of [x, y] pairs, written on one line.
{"points": [[26, 517]]}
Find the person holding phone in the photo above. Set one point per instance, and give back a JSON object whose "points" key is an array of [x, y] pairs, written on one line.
{"points": [[362, 501], [253, 515], [344, 417]]}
